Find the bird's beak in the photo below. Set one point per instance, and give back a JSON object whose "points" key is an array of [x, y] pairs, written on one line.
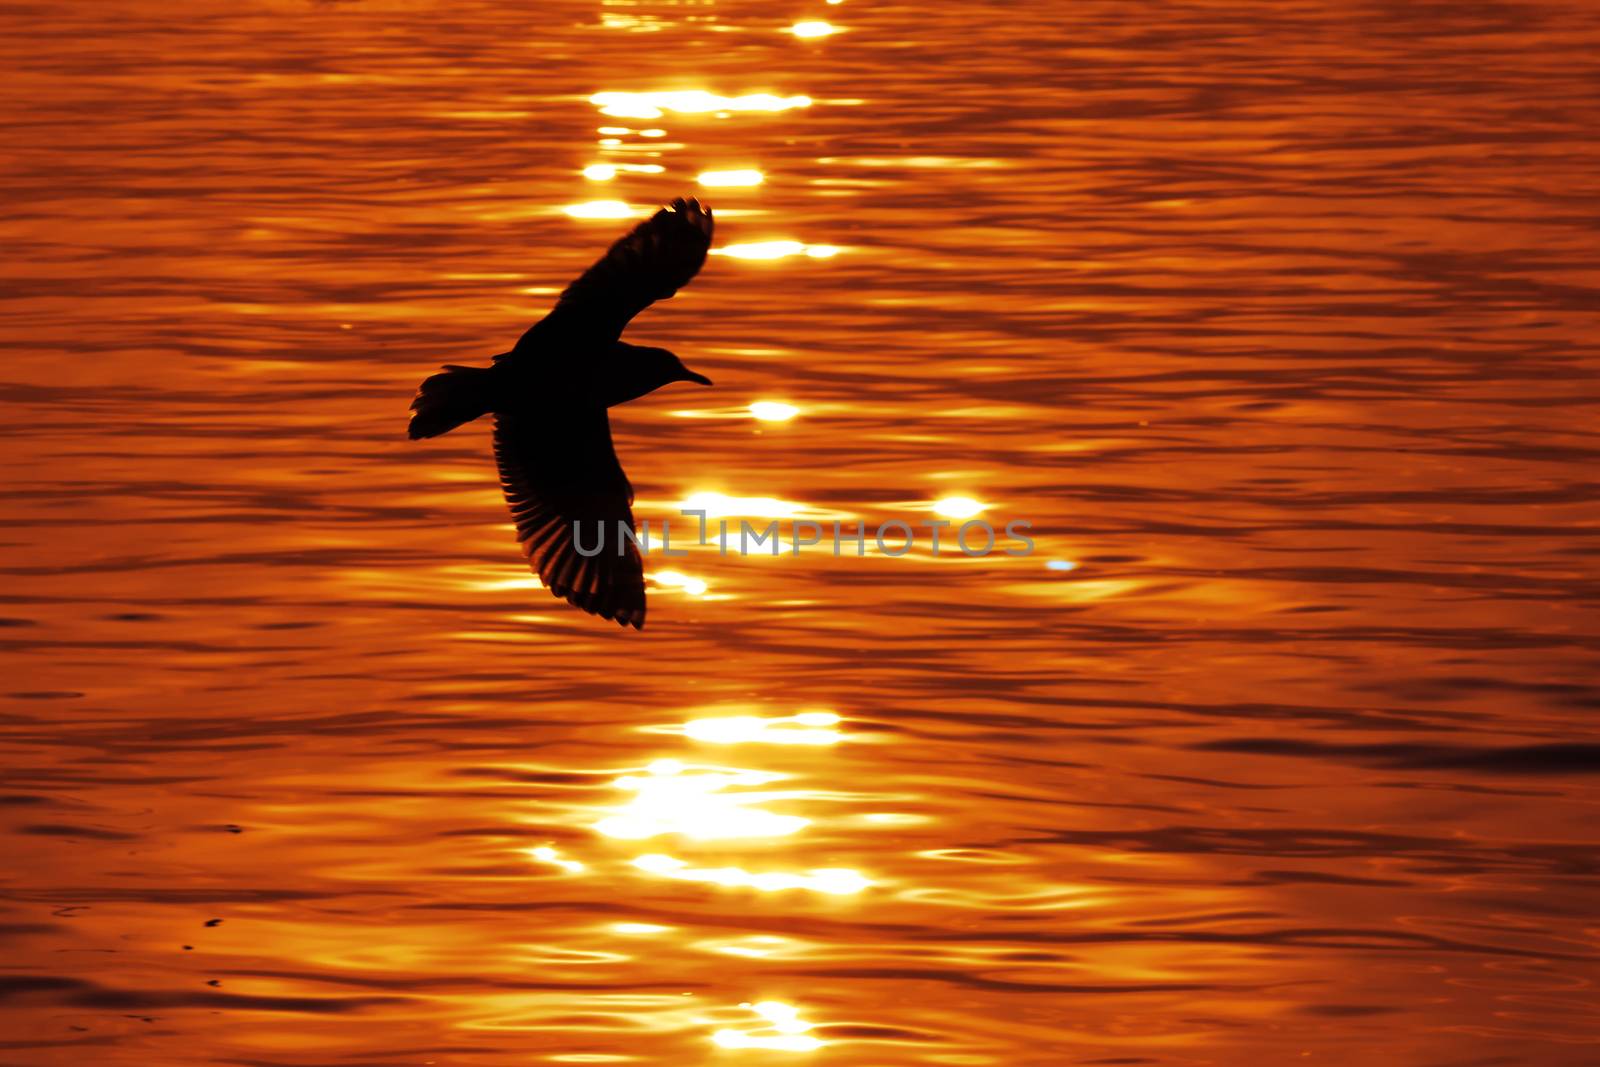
{"points": [[691, 376]]}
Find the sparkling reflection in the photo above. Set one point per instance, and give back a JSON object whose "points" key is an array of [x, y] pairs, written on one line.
{"points": [[600, 209], [773, 410], [776, 250], [721, 179], [784, 1031], [678, 580], [604, 172], [689, 102], [806, 728], [546, 854], [836, 881], [812, 28], [958, 507], [639, 929], [672, 799], [720, 505]]}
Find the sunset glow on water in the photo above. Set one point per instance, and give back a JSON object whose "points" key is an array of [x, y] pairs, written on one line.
{"points": [[1274, 322]]}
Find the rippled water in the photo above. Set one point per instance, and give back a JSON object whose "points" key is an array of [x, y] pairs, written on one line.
{"points": [[1275, 320]]}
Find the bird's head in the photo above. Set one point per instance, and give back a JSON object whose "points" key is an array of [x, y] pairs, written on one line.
{"points": [[643, 370], [684, 374]]}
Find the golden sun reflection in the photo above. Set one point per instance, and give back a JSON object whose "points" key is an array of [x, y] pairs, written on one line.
{"points": [[899, 818], [812, 28], [833, 880], [633, 23], [689, 102], [604, 172], [725, 179], [776, 250], [599, 209], [784, 1031], [806, 728], [958, 507], [676, 580], [546, 854], [719, 505], [671, 800], [755, 947], [773, 411]]}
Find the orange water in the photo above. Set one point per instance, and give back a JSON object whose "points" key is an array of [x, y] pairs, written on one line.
{"points": [[1275, 320]]}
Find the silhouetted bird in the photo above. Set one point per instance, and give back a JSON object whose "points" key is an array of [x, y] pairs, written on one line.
{"points": [[549, 395]]}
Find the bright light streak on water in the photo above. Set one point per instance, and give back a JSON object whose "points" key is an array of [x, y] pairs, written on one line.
{"points": [[776, 250], [653, 105], [773, 410], [784, 1031], [600, 209], [546, 854], [958, 507], [834, 881], [718, 179], [813, 28], [806, 728], [720, 505], [698, 805], [677, 580]]}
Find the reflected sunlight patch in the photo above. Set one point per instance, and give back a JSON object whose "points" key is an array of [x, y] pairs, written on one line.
{"points": [[755, 947], [546, 854], [833, 880], [689, 102], [928, 162], [958, 507], [718, 505], [727, 179], [672, 800], [674, 580], [631, 23], [901, 818], [498, 585], [776, 250], [604, 172], [784, 1031], [599, 209], [773, 411], [806, 728], [812, 28]]}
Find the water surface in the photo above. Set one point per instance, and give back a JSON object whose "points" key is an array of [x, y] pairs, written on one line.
{"points": [[1275, 320]]}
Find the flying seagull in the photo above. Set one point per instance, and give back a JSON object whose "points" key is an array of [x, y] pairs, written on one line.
{"points": [[549, 395]]}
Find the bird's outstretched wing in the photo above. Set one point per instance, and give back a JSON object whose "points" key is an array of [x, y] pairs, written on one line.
{"points": [[558, 470], [655, 260]]}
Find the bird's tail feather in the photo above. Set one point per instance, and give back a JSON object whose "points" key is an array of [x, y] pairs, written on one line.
{"points": [[455, 396]]}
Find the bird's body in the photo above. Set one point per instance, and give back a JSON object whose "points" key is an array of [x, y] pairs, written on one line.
{"points": [[549, 396]]}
